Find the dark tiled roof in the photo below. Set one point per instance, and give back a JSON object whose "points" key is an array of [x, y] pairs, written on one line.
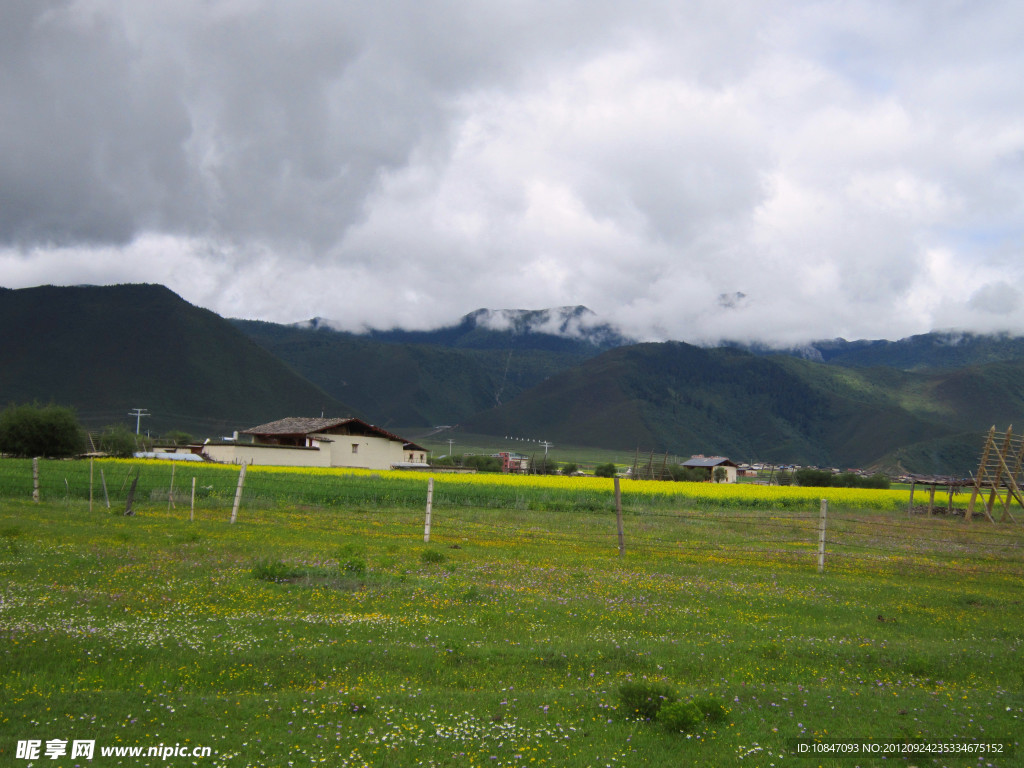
{"points": [[296, 426], [307, 426], [714, 461]]}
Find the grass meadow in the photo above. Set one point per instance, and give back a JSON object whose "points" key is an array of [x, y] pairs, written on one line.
{"points": [[322, 629]]}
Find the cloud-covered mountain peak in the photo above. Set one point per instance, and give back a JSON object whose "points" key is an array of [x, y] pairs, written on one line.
{"points": [[487, 328], [576, 322]]}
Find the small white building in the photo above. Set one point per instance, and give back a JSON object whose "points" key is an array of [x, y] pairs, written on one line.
{"points": [[323, 442], [710, 463]]}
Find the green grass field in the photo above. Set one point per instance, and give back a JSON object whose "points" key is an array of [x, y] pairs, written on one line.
{"points": [[330, 633]]}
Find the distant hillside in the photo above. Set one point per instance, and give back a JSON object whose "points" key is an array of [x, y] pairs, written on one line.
{"points": [[683, 399], [105, 350], [940, 350], [921, 404], [408, 384], [673, 396]]}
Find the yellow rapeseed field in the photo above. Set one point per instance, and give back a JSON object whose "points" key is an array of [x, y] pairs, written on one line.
{"points": [[323, 485], [719, 494]]}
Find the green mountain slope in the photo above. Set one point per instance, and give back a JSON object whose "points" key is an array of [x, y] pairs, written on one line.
{"points": [[105, 350], [409, 384], [671, 396], [683, 399]]}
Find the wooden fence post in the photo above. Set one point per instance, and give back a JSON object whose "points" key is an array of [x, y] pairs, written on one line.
{"points": [[821, 536], [128, 508], [238, 494], [103, 480], [430, 507], [192, 512], [618, 518], [170, 491], [90, 483], [35, 479]]}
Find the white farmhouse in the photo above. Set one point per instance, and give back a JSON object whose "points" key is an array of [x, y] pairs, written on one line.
{"points": [[323, 442]]}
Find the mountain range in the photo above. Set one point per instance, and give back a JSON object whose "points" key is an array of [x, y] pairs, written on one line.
{"points": [[919, 404], [107, 349]]}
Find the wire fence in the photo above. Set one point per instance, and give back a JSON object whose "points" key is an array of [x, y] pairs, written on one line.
{"points": [[580, 517]]}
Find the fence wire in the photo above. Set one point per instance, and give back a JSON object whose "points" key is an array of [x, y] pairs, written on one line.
{"points": [[574, 517]]}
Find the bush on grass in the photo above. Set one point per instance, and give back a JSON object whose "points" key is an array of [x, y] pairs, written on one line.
{"points": [[352, 560], [643, 699], [680, 716], [713, 710], [433, 556]]}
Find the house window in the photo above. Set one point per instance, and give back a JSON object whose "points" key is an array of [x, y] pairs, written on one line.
{"points": [[355, 447]]}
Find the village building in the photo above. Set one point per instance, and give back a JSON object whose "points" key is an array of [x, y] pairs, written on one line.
{"points": [[710, 463], [318, 442]]}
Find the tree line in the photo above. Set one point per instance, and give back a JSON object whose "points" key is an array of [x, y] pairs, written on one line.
{"points": [[53, 431]]}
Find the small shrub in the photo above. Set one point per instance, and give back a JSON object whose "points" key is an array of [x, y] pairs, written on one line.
{"points": [[189, 537], [482, 463], [878, 481], [680, 716], [813, 478], [178, 437], [352, 559], [924, 667], [643, 699], [118, 440], [714, 711], [433, 556], [605, 470], [683, 474]]}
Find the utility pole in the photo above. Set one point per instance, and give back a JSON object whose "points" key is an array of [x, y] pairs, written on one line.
{"points": [[546, 445], [450, 442], [138, 413]]}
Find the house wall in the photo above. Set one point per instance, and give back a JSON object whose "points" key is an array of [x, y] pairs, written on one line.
{"points": [[370, 452], [268, 455]]}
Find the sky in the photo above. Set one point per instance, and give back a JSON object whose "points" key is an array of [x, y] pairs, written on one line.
{"points": [[754, 170]]}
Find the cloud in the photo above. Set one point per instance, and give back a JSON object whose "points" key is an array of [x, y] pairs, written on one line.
{"points": [[851, 169]]}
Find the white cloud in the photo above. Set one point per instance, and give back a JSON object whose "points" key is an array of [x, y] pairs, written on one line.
{"points": [[854, 169]]}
